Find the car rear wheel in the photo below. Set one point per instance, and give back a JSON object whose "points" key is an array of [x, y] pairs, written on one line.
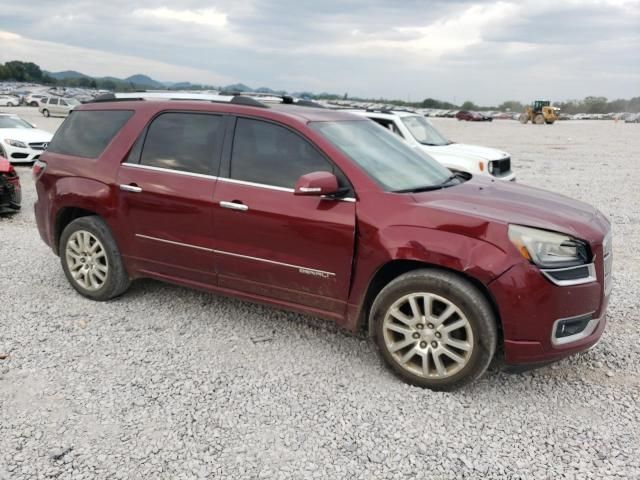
{"points": [[45, 112], [434, 329], [91, 260]]}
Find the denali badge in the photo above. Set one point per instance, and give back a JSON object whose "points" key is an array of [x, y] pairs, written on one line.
{"points": [[315, 273]]}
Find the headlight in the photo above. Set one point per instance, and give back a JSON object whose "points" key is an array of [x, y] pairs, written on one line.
{"points": [[548, 249], [490, 167], [15, 143]]}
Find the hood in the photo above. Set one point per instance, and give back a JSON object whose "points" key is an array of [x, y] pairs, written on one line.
{"points": [[511, 203], [462, 150], [25, 134]]}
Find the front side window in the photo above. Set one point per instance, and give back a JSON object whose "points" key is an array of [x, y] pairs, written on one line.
{"points": [[183, 141], [86, 133], [389, 125], [423, 131], [387, 159], [273, 155], [53, 101]]}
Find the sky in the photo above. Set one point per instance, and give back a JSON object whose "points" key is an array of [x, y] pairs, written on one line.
{"points": [[452, 50]]}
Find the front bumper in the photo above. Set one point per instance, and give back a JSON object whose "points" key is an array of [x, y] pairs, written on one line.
{"points": [[530, 306], [22, 155]]}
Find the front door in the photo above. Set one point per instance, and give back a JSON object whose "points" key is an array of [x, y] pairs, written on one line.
{"points": [[166, 197], [270, 243]]}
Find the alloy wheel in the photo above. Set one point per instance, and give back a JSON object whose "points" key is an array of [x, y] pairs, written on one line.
{"points": [[428, 335], [87, 260]]}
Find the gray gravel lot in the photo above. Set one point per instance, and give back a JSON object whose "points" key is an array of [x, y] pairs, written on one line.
{"points": [[170, 383]]}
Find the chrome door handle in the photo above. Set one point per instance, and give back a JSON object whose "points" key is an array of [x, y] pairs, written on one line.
{"points": [[130, 188], [234, 206]]}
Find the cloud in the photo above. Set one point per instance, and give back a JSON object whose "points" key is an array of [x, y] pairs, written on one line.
{"points": [[481, 50], [207, 16], [54, 57]]}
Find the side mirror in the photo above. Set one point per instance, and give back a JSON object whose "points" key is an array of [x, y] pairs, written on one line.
{"points": [[317, 184]]}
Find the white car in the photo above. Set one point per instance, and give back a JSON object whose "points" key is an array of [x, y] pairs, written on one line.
{"points": [[9, 101], [20, 141], [33, 99], [418, 132]]}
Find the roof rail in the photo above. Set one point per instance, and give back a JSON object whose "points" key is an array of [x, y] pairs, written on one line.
{"points": [[239, 98], [110, 97]]}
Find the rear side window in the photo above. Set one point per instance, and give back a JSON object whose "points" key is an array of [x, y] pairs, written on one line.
{"points": [[183, 141], [86, 133], [272, 155]]}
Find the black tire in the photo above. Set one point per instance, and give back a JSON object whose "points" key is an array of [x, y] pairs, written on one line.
{"points": [[538, 119], [470, 301], [45, 113], [117, 280]]}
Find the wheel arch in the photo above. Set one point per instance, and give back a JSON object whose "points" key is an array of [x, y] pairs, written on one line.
{"points": [[396, 267], [64, 217]]}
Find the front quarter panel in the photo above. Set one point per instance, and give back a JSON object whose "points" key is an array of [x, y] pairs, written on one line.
{"points": [[437, 246]]}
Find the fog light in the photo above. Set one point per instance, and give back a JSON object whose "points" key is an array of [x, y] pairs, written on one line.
{"points": [[571, 326]]}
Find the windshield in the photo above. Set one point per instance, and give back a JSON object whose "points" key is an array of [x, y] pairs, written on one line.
{"points": [[386, 158], [423, 131], [13, 122]]}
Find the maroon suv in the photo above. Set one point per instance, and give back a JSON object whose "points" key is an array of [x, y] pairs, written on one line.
{"points": [[329, 214]]}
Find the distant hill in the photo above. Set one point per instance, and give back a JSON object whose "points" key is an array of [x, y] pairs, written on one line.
{"points": [[144, 80], [66, 74], [237, 87]]}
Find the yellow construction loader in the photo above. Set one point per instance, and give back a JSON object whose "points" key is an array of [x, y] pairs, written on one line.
{"points": [[539, 113]]}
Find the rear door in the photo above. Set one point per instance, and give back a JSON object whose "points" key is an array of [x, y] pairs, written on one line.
{"points": [[63, 107], [166, 196], [52, 105], [271, 243]]}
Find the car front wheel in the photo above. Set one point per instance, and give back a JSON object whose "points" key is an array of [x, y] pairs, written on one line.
{"points": [[91, 260], [45, 112], [434, 329]]}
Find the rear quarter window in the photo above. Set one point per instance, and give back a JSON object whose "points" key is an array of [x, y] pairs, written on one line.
{"points": [[86, 133]]}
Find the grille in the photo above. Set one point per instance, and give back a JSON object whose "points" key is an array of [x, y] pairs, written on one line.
{"points": [[607, 249], [39, 145], [500, 167]]}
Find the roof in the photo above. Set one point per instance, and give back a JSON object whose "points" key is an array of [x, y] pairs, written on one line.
{"points": [[218, 103]]}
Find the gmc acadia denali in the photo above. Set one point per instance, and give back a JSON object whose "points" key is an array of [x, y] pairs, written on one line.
{"points": [[326, 213]]}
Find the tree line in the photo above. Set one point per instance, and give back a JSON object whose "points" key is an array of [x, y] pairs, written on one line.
{"points": [[30, 72]]}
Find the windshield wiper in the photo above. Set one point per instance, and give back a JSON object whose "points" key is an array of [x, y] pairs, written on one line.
{"points": [[427, 188]]}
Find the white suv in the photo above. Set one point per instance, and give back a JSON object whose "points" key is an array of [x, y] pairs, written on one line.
{"points": [[418, 132]]}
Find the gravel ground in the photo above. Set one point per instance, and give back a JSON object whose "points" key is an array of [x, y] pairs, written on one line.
{"points": [[171, 383]]}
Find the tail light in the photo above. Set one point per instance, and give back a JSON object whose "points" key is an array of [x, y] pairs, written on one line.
{"points": [[11, 173], [38, 169]]}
